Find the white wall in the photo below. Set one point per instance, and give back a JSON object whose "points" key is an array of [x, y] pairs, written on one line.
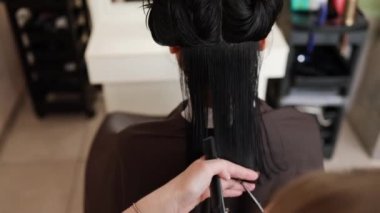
{"points": [[11, 81], [364, 115]]}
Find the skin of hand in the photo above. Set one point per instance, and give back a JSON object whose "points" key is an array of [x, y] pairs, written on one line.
{"points": [[191, 187]]}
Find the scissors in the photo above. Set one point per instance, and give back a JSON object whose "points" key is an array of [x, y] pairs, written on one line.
{"points": [[217, 200]]}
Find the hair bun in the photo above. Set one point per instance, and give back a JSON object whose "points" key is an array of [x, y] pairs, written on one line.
{"points": [[249, 20], [207, 22]]}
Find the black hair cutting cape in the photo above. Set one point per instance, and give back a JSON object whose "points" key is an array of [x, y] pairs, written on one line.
{"points": [[146, 156]]}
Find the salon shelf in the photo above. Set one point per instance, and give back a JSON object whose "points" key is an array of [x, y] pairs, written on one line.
{"points": [[298, 26], [317, 82], [334, 72], [322, 80], [305, 21], [324, 38], [43, 4], [52, 36], [313, 97]]}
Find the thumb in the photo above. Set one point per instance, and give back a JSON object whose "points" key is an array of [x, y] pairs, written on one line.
{"points": [[224, 174]]}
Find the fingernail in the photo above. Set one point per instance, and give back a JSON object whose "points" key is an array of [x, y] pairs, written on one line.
{"points": [[257, 174]]}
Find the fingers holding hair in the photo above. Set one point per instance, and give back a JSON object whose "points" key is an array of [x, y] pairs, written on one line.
{"points": [[227, 170]]}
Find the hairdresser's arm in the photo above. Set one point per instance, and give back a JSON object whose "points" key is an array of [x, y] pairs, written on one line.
{"points": [[191, 187]]}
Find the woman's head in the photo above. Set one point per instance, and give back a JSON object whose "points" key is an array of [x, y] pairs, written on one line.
{"points": [[219, 59], [188, 23], [330, 193]]}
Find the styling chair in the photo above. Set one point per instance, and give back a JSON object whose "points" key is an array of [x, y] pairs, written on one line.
{"points": [[102, 193]]}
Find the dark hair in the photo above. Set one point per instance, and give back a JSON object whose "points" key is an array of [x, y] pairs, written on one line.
{"points": [[220, 59], [206, 22]]}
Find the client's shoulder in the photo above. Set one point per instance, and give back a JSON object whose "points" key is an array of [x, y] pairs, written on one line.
{"points": [[288, 118], [151, 153], [297, 134], [156, 128], [172, 125], [290, 123], [289, 115], [157, 133]]}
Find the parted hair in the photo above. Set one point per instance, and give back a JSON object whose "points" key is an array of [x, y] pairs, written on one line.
{"points": [[220, 63]]}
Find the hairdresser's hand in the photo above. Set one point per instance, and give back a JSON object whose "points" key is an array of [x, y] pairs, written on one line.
{"points": [[191, 187], [194, 183]]}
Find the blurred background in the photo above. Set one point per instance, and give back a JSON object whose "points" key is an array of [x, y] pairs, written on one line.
{"points": [[67, 66]]}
